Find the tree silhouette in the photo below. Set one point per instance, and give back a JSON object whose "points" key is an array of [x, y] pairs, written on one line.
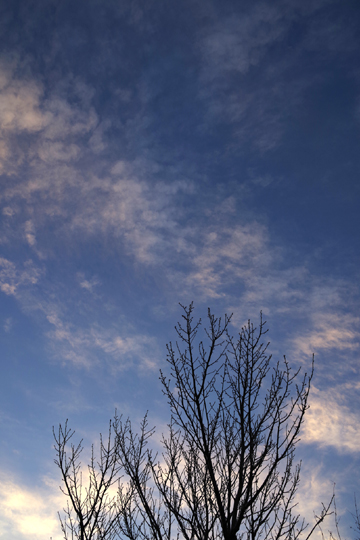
{"points": [[227, 467], [91, 513]]}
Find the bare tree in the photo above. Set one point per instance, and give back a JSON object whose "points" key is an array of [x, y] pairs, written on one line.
{"points": [[227, 468], [91, 513], [235, 424]]}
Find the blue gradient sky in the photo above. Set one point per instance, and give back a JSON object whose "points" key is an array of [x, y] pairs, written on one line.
{"points": [[156, 152]]}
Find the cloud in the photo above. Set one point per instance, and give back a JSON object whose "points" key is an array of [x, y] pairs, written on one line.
{"points": [[224, 255], [30, 232], [56, 185], [52, 125], [330, 423], [20, 103], [330, 331], [8, 325], [60, 183], [139, 212], [230, 48], [29, 513], [83, 343], [8, 211], [82, 346], [245, 82], [314, 490], [89, 285], [12, 278], [237, 43], [125, 201], [147, 217], [89, 346]]}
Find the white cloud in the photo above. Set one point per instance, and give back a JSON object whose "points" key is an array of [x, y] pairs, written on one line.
{"points": [[29, 513], [68, 120], [330, 423]]}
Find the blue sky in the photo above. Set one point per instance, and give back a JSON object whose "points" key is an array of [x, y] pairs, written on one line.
{"points": [[158, 152]]}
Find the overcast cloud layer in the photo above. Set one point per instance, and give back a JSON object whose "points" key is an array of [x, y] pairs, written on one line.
{"points": [[153, 153]]}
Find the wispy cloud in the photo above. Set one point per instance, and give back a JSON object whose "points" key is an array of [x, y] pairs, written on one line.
{"points": [[128, 202], [30, 232], [220, 256], [78, 340], [88, 284], [20, 103], [330, 331], [235, 44], [84, 347], [315, 491], [330, 423], [8, 325], [59, 184], [12, 278], [138, 212], [54, 126], [245, 82]]}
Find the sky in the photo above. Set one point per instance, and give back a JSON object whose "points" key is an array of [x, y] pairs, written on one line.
{"points": [[156, 152]]}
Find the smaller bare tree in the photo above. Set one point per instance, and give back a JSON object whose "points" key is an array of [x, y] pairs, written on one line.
{"points": [[91, 512]]}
